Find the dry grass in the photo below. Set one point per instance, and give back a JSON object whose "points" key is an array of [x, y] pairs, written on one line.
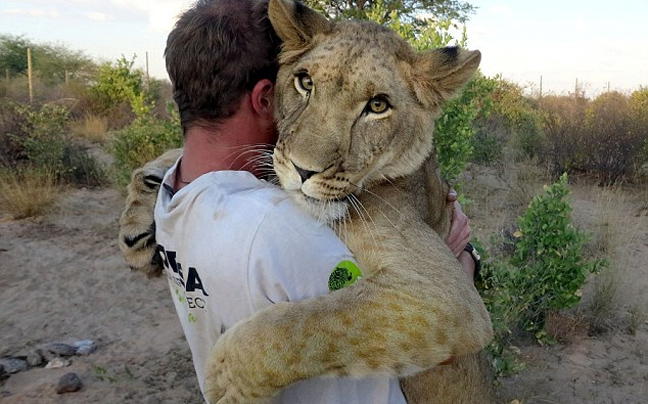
{"points": [[27, 192], [565, 327], [636, 317], [605, 306], [90, 127], [614, 230]]}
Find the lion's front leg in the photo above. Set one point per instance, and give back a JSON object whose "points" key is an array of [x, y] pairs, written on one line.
{"points": [[415, 311], [136, 225], [243, 368]]}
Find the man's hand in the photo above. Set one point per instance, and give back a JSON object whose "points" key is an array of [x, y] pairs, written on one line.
{"points": [[459, 235], [460, 227]]}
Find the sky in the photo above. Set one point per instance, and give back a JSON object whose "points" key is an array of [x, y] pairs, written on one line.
{"points": [[598, 43]]}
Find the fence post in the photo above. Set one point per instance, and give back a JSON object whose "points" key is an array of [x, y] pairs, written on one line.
{"points": [[29, 76]]}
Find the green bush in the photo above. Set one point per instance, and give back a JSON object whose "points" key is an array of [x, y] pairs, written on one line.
{"points": [[454, 131], [120, 93], [40, 139], [544, 273], [142, 141], [43, 137]]}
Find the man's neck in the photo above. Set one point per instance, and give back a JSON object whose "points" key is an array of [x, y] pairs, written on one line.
{"points": [[230, 146]]}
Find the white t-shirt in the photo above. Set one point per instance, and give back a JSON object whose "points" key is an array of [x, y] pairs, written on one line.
{"points": [[232, 245]]}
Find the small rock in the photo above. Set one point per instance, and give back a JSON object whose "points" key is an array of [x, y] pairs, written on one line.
{"points": [[61, 349], [68, 383], [152, 400], [13, 365], [35, 358], [84, 347], [171, 377], [57, 363]]}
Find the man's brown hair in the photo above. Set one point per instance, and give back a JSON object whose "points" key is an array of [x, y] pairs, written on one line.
{"points": [[217, 51]]}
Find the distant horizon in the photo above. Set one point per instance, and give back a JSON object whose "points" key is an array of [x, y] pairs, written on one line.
{"points": [[590, 41]]}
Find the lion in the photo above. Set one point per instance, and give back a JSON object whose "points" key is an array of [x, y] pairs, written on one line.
{"points": [[355, 108]]}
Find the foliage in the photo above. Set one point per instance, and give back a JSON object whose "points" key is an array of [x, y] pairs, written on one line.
{"points": [[50, 62], [613, 137], [13, 54], [40, 139], [545, 271], [43, 137], [389, 9], [142, 141], [11, 122], [605, 137], [121, 83], [514, 118], [454, 130]]}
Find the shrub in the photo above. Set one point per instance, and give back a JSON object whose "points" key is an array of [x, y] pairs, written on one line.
{"points": [[614, 140], [11, 122], [43, 137], [454, 131], [82, 168], [515, 118], [545, 272], [142, 141], [563, 120], [119, 93], [40, 139]]}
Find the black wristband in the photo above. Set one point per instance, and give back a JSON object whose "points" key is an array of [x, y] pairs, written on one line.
{"points": [[474, 254]]}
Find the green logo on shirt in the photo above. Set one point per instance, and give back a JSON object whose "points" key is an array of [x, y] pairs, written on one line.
{"points": [[345, 273]]}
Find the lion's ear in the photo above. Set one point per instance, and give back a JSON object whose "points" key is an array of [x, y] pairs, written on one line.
{"points": [[295, 23], [441, 73]]}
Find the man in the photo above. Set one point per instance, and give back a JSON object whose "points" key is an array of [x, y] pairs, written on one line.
{"points": [[232, 243]]}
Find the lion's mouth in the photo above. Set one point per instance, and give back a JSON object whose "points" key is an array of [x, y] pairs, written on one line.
{"points": [[327, 211]]}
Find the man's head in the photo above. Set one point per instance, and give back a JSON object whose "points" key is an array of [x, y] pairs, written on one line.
{"points": [[216, 53]]}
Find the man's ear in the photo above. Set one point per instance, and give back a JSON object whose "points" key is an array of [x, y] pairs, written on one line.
{"points": [[296, 24], [440, 73], [262, 98]]}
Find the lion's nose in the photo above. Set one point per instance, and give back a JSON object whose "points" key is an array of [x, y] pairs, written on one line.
{"points": [[304, 174]]}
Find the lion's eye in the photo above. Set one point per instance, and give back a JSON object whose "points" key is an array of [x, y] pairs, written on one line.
{"points": [[377, 105], [303, 83]]}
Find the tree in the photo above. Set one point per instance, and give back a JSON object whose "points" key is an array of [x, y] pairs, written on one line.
{"points": [[54, 61], [51, 62], [13, 54], [407, 10]]}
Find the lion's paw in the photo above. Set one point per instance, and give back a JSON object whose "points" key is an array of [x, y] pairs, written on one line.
{"points": [[234, 378]]}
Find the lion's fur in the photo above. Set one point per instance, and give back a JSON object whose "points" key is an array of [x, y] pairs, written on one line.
{"points": [[136, 226], [416, 308]]}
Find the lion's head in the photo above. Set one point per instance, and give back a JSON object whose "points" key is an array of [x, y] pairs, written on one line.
{"points": [[355, 105]]}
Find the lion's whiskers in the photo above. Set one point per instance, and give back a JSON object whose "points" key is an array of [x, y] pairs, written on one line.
{"points": [[357, 205], [381, 199]]}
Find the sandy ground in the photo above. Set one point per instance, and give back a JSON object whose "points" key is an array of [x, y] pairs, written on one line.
{"points": [[63, 280]]}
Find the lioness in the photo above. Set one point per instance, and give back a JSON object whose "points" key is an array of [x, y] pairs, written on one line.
{"points": [[355, 109]]}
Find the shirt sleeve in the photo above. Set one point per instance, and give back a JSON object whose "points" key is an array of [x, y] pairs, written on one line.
{"points": [[292, 257]]}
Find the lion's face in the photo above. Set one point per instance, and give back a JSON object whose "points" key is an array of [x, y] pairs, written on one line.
{"points": [[353, 108]]}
